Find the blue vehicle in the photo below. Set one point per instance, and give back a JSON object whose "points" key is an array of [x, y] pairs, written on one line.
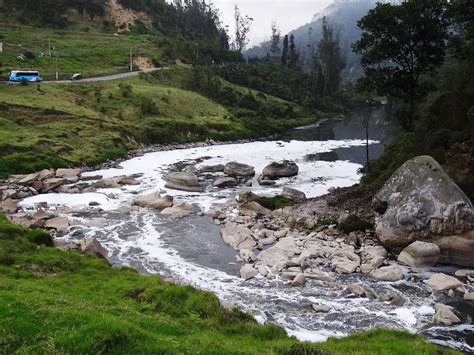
{"points": [[22, 75]]}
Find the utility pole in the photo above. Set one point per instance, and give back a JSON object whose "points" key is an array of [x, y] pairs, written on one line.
{"points": [[57, 73], [131, 60]]}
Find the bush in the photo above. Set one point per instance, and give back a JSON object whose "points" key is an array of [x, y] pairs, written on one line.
{"points": [[148, 107], [354, 223], [125, 89], [274, 203], [39, 237]]}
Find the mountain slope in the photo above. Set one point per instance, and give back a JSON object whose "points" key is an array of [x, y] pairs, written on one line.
{"points": [[343, 15]]}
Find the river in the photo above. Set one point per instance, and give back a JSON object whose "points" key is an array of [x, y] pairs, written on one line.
{"points": [[191, 250]]}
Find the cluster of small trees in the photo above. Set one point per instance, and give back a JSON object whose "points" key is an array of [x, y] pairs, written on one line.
{"points": [[324, 66], [52, 12]]}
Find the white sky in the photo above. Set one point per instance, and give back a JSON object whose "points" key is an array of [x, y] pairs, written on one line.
{"points": [[288, 14]]}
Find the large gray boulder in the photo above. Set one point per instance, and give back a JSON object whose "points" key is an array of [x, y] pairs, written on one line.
{"points": [[225, 182], [92, 245], [248, 272], [441, 282], [60, 224], [457, 249], [445, 315], [239, 170], [296, 195], [286, 168], [183, 181], [154, 201], [387, 273], [238, 237], [420, 254], [421, 202], [212, 168]]}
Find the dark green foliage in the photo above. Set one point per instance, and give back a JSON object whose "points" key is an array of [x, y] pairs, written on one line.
{"points": [[148, 107], [28, 162], [399, 44], [293, 85], [328, 62], [445, 124], [353, 223], [284, 55], [125, 89], [293, 56], [275, 202], [39, 237], [259, 115]]}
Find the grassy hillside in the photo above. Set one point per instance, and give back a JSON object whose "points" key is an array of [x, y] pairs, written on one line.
{"points": [[53, 301], [87, 49], [55, 125]]}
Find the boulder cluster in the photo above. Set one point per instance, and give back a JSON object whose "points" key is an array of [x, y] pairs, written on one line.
{"points": [[420, 202], [232, 174]]}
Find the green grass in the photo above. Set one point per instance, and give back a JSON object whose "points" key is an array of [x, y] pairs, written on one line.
{"points": [[53, 301], [86, 49], [59, 125], [66, 125]]}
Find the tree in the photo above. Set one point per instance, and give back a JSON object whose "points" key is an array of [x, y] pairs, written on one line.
{"points": [[399, 44], [242, 29], [275, 41], [284, 54], [293, 55], [330, 59]]}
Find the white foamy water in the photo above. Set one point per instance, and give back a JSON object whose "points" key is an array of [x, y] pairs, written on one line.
{"points": [[139, 240], [314, 178]]}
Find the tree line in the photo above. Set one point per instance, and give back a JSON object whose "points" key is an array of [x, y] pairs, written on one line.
{"points": [[284, 72]]}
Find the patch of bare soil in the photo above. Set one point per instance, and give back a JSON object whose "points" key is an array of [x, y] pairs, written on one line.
{"points": [[123, 18]]}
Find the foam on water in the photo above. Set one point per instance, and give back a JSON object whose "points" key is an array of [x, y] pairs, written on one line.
{"points": [[137, 241]]}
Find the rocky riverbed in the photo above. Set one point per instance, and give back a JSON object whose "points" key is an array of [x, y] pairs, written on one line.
{"points": [[191, 215]]}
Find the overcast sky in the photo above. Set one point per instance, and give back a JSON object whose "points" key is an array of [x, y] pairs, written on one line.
{"points": [[288, 14]]}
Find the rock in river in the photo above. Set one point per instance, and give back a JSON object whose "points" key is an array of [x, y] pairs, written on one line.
{"points": [[286, 168], [248, 271], [183, 181], [60, 224], [440, 282], [457, 249], [225, 182], [388, 273], [445, 315], [420, 254], [423, 203], [211, 168], [238, 237], [239, 170], [154, 200], [296, 195]]}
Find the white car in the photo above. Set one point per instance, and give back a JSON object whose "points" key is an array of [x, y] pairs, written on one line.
{"points": [[76, 77]]}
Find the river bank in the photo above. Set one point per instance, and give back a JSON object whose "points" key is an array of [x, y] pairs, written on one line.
{"points": [[192, 250]]}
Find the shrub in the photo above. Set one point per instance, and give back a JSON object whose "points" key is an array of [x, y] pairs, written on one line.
{"points": [[354, 223], [148, 107], [125, 89], [38, 236], [274, 203]]}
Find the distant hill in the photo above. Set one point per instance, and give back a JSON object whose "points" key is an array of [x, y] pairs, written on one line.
{"points": [[343, 14], [96, 36]]}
